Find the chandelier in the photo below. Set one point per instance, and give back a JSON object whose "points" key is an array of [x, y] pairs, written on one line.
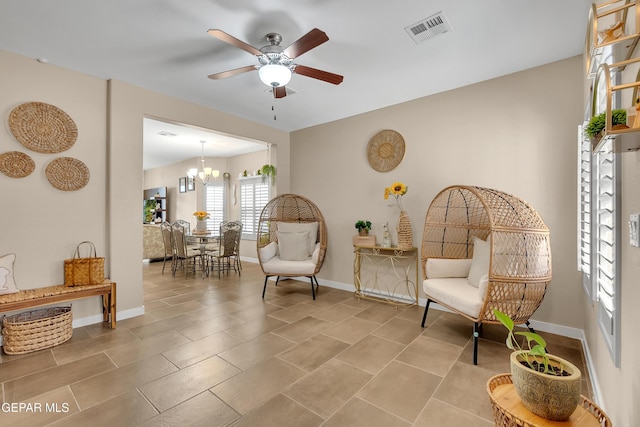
{"points": [[205, 174]]}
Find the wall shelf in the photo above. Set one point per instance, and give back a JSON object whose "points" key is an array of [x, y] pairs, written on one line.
{"points": [[624, 16]]}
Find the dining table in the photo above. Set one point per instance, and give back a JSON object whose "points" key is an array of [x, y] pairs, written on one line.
{"points": [[202, 239]]}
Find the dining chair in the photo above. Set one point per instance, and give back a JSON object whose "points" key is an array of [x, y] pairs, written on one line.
{"points": [[167, 240], [185, 256], [229, 242]]}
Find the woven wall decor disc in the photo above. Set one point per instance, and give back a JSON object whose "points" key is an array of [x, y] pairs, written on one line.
{"points": [[42, 127], [385, 150], [15, 164], [67, 173]]}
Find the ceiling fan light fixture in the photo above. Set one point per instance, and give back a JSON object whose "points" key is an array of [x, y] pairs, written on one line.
{"points": [[274, 75]]}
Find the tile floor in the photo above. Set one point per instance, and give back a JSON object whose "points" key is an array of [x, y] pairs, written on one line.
{"points": [[211, 352]]}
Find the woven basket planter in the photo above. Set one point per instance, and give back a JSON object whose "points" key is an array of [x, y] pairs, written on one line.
{"points": [[36, 330]]}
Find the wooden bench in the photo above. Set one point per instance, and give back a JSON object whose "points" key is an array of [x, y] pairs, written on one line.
{"points": [[61, 293]]}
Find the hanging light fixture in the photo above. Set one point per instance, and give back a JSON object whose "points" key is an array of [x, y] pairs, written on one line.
{"points": [[274, 74], [206, 174]]}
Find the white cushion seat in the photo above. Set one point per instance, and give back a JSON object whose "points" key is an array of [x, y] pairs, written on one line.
{"points": [[273, 264], [455, 292]]}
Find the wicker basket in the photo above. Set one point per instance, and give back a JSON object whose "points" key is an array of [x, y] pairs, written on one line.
{"points": [[36, 330]]}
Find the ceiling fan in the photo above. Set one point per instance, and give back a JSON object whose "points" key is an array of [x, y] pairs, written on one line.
{"points": [[275, 62]]}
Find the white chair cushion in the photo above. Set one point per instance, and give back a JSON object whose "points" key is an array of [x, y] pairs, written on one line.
{"points": [[480, 261], [311, 227], [316, 254], [447, 267], [293, 245], [457, 293], [277, 266], [268, 252]]}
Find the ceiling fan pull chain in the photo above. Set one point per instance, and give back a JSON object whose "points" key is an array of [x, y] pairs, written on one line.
{"points": [[274, 112]]}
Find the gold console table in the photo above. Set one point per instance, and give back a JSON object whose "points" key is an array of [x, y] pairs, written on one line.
{"points": [[385, 274]]}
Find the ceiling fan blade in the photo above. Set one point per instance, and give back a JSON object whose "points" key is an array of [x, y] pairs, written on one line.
{"points": [[221, 35], [326, 76], [229, 73], [305, 43], [279, 92]]}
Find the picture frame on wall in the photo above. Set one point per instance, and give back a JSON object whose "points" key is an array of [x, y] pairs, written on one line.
{"points": [[182, 184], [191, 183]]}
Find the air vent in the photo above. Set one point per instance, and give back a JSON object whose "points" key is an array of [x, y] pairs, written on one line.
{"points": [[165, 133], [428, 28]]}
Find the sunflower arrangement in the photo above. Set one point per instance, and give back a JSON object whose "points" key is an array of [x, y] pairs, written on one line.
{"points": [[200, 215], [397, 190]]}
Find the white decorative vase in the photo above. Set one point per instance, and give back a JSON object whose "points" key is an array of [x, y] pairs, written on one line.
{"points": [[201, 225]]}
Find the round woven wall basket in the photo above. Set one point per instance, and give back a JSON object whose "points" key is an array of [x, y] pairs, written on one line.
{"points": [[42, 127], [67, 173], [15, 164], [385, 150]]}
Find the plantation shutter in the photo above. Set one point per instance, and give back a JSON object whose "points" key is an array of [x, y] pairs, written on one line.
{"points": [[255, 193], [214, 204], [606, 238], [584, 211]]}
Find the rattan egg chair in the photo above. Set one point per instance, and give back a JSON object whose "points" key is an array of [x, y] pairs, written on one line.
{"points": [[518, 254], [283, 222]]}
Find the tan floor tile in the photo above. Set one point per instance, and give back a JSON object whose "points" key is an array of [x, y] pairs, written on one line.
{"points": [[255, 311], [70, 351], [399, 330], [312, 353], [438, 414], [29, 364], [406, 401], [46, 409], [265, 381], [256, 351], [379, 313], [328, 388], [491, 355], [357, 412], [162, 326], [201, 329], [201, 349], [128, 409], [99, 388], [371, 353], [351, 330], [465, 387], [430, 355], [186, 383], [50, 379], [148, 347], [295, 312], [337, 313], [287, 300], [451, 328], [279, 412], [254, 328], [303, 329], [202, 410], [329, 298]]}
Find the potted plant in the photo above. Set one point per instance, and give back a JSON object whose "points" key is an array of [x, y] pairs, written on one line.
{"points": [[597, 124], [363, 227], [548, 385], [268, 171]]}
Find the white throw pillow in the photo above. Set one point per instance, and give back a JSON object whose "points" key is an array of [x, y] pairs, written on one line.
{"points": [[268, 252], [311, 227], [479, 262], [294, 245], [438, 268], [7, 281]]}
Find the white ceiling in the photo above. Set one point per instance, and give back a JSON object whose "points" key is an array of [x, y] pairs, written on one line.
{"points": [[163, 45]]}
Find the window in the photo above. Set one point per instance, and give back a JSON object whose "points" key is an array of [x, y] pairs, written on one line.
{"points": [[214, 204], [255, 193]]}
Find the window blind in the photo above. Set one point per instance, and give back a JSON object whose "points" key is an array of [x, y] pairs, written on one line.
{"points": [[584, 211]]}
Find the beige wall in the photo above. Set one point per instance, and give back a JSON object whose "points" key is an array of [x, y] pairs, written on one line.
{"points": [[40, 224], [516, 133]]}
